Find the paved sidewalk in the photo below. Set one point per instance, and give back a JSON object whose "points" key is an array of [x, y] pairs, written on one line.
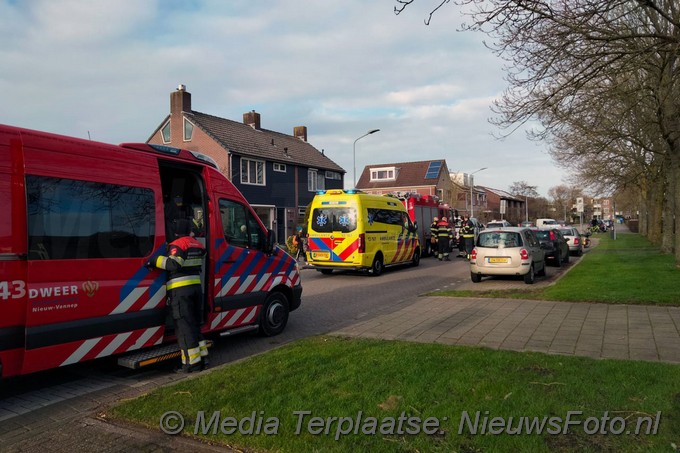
{"points": [[594, 330]]}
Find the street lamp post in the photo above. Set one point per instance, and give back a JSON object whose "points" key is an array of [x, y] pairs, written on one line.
{"points": [[472, 212], [354, 148]]}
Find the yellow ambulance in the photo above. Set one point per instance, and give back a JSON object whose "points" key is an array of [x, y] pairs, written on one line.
{"points": [[349, 229]]}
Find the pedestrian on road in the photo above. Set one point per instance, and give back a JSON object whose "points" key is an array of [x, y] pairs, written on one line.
{"points": [[184, 295]]}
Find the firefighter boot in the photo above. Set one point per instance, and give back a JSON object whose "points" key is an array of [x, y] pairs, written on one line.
{"points": [[203, 347]]}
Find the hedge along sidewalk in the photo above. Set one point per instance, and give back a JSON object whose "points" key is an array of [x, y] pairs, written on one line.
{"points": [[628, 270]]}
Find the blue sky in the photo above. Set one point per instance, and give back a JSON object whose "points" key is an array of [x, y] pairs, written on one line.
{"points": [[106, 68]]}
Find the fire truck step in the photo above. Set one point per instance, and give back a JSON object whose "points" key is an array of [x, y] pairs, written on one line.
{"points": [[139, 359]]}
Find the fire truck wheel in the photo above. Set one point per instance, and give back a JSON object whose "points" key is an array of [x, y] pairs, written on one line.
{"points": [[274, 316], [377, 266]]}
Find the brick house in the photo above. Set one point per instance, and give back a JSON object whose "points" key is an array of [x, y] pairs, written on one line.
{"points": [[427, 177], [513, 206], [277, 173]]}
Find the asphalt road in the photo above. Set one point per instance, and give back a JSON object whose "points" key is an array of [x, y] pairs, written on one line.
{"points": [[329, 303]]}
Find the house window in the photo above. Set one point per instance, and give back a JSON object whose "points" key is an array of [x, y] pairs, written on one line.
{"points": [[165, 132], [252, 172], [383, 174], [315, 181], [188, 130], [279, 167], [333, 175]]}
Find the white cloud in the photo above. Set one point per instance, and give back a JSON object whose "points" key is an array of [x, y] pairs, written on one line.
{"points": [[340, 68]]}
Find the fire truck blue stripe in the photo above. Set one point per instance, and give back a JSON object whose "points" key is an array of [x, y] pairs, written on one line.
{"points": [[248, 270], [140, 275], [278, 267], [234, 267]]}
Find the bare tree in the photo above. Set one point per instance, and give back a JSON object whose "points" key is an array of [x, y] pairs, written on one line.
{"points": [[603, 79]]}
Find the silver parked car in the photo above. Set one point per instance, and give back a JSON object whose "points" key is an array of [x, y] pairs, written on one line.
{"points": [[507, 251], [574, 240]]}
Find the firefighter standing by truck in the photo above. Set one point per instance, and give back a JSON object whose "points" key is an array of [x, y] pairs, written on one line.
{"points": [[184, 295], [444, 235], [433, 235], [467, 233]]}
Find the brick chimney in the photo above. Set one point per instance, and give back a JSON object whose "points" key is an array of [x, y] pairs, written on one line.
{"points": [[300, 132], [180, 100], [252, 119]]}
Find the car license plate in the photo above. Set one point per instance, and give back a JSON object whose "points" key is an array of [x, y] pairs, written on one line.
{"points": [[321, 256], [498, 260]]}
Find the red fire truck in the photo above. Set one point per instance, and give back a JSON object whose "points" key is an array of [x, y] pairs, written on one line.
{"points": [[422, 209], [81, 219]]}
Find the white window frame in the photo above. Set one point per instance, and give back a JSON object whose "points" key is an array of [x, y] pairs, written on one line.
{"points": [[314, 180], [279, 167], [169, 139], [257, 163], [184, 130], [391, 173]]}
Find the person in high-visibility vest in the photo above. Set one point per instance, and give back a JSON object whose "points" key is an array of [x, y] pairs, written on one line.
{"points": [[467, 232], [433, 235], [184, 295], [444, 238]]}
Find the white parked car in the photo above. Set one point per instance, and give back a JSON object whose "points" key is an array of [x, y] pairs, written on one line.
{"points": [[507, 251], [498, 224], [574, 240]]}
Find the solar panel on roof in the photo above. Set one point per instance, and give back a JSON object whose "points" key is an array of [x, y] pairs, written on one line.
{"points": [[433, 170]]}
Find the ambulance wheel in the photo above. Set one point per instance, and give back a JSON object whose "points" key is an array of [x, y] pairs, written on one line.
{"points": [[415, 261], [274, 316], [377, 266]]}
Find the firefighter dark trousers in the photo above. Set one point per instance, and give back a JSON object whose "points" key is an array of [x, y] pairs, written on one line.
{"points": [[185, 304], [443, 246], [469, 245]]}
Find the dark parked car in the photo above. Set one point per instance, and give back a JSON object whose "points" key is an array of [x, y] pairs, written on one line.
{"points": [[554, 244]]}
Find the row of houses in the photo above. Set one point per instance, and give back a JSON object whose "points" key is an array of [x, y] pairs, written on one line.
{"points": [[279, 173], [433, 178]]}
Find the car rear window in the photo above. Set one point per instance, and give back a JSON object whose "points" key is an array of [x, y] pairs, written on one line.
{"points": [[496, 239], [543, 234]]}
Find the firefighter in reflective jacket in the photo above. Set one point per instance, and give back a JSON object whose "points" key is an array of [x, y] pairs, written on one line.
{"points": [[444, 235], [467, 233], [184, 295]]}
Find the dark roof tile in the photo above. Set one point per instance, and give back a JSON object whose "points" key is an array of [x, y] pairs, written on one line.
{"points": [[274, 146]]}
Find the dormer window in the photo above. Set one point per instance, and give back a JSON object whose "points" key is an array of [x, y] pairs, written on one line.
{"points": [[383, 174]]}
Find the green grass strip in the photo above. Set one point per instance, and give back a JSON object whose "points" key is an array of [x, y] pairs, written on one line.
{"points": [[350, 378]]}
